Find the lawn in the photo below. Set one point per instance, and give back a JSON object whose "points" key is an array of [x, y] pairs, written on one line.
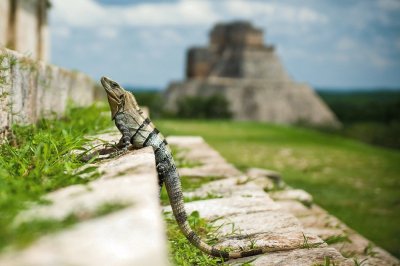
{"points": [[356, 182]]}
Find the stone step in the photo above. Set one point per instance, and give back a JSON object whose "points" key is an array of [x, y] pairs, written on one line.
{"points": [[284, 210], [247, 216]]}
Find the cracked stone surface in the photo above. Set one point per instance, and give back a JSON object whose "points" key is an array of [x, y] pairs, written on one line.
{"points": [[299, 257]]}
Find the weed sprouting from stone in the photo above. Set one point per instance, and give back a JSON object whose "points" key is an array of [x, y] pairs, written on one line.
{"points": [[308, 245], [369, 250], [359, 263], [327, 262], [337, 239]]}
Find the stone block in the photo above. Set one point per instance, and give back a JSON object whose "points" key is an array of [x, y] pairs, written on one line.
{"points": [[217, 208], [195, 149], [230, 187], [31, 89], [292, 194], [81, 89], [6, 60], [299, 257], [270, 230], [133, 235], [24, 90], [26, 28], [4, 18]]}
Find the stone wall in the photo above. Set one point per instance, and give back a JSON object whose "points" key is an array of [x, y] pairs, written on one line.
{"points": [[240, 33], [23, 27], [4, 18], [31, 89]]}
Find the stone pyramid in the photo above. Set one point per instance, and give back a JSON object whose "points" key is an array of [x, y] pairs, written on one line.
{"points": [[238, 65]]}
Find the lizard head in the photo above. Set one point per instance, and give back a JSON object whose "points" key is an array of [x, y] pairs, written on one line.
{"points": [[118, 98]]}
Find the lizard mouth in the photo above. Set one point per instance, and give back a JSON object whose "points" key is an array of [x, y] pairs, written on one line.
{"points": [[106, 83]]}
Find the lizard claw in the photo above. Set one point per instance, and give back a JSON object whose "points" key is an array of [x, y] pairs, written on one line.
{"points": [[119, 152]]}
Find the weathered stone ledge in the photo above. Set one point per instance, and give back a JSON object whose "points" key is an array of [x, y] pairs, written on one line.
{"points": [[285, 222], [31, 89], [131, 235]]}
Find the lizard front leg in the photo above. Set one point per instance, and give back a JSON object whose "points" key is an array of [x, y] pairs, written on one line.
{"points": [[124, 142]]}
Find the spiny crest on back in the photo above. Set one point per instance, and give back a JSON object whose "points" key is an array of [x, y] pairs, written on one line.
{"points": [[118, 98]]}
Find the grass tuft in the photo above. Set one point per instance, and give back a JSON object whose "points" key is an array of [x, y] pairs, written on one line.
{"points": [[182, 251]]}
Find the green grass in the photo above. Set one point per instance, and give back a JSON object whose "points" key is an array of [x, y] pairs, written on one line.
{"points": [[39, 161], [356, 182], [184, 253]]}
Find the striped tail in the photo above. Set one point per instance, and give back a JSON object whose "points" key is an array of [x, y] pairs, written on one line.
{"points": [[174, 190]]}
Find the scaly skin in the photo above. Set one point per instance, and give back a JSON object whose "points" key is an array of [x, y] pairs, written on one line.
{"points": [[139, 131]]}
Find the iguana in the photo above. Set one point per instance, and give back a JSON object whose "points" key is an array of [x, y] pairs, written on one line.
{"points": [[139, 131]]}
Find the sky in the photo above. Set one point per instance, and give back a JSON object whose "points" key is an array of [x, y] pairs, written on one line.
{"points": [[329, 44]]}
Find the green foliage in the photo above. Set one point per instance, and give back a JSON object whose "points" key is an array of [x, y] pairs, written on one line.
{"points": [[182, 251], [354, 181], [40, 161], [375, 133], [370, 116], [214, 106], [365, 106], [337, 239]]}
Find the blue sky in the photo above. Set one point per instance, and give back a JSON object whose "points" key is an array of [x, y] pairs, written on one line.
{"points": [[341, 43]]}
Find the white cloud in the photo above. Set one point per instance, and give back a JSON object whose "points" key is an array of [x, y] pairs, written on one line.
{"points": [[274, 11], [79, 13], [107, 32], [346, 43], [378, 60], [61, 31], [89, 13], [348, 49]]}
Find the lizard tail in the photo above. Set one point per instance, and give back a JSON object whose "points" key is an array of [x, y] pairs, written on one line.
{"points": [[173, 186]]}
